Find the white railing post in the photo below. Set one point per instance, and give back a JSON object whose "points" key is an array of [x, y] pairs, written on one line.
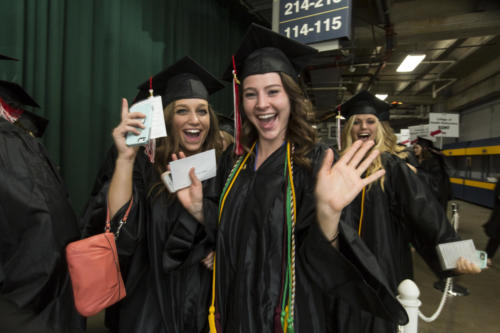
{"points": [[408, 297], [455, 218]]}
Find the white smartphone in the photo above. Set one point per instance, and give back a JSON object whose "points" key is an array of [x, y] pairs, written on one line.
{"points": [[143, 137]]}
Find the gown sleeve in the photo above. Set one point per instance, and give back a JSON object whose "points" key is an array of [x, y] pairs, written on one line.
{"points": [[187, 243], [350, 272], [430, 173], [36, 223], [131, 233], [189, 239], [421, 213]]}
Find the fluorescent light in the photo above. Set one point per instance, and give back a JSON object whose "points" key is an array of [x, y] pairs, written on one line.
{"points": [[410, 62], [382, 97]]}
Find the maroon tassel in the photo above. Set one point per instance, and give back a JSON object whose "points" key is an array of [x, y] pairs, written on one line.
{"points": [[217, 323], [277, 320]]}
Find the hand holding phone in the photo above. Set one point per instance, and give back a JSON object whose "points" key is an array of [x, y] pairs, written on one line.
{"points": [[143, 137]]}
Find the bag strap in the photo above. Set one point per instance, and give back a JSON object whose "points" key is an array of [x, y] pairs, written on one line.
{"points": [[123, 221]]}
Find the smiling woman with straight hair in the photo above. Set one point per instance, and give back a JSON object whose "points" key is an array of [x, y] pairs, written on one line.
{"points": [[166, 292]]}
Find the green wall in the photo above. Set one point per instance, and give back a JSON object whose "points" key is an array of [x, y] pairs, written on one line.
{"points": [[79, 57]]}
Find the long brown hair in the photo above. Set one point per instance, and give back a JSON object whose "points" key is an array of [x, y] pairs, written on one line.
{"points": [[299, 131], [169, 145], [385, 141], [425, 154]]}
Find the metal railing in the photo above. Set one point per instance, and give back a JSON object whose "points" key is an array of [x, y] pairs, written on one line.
{"points": [[408, 292]]}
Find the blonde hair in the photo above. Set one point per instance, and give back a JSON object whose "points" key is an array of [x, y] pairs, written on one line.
{"points": [[385, 141], [227, 138]]}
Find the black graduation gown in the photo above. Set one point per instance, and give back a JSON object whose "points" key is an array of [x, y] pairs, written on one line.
{"points": [[492, 227], [249, 253], [433, 172], [158, 299], [36, 224], [404, 212]]}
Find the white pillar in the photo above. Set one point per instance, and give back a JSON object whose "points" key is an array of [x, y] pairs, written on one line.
{"points": [[408, 297]]}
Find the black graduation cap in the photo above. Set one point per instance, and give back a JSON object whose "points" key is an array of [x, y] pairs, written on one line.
{"points": [[365, 103], [4, 57], [263, 51], [425, 143], [184, 79], [226, 123], [15, 96]]}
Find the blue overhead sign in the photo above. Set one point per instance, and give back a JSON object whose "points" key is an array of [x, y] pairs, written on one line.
{"points": [[316, 21]]}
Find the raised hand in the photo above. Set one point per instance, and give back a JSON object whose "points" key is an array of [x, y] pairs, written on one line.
{"points": [[191, 197], [129, 123], [465, 266], [208, 261], [339, 184]]}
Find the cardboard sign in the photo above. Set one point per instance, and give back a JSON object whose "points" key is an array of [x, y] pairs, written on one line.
{"points": [[447, 123]]}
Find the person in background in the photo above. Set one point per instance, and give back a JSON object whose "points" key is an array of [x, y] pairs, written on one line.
{"points": [[392, 212], [433, 171], [226, 130], [492, 227], [36, 223], [166, 291]]}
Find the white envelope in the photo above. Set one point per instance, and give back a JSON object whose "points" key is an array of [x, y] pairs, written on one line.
{"points": [[204, 165]]}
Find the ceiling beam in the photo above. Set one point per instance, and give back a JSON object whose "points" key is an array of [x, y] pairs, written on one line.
{"points": [[436, 28], [459, 26], [481, 91], [480, 74]]}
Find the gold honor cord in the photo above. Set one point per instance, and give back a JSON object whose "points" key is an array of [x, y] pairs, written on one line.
{"points": [[227, 188], [362, 211], [291, 219]]}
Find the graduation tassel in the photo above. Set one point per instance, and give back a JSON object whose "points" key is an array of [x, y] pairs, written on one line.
{"points": [[9, 113], [339, 118], [278, 328], [211, 319], [150, 148], [238, 149]]}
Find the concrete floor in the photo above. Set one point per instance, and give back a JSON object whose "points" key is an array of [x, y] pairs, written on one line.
{"points": [[479, 311], [476, 313]]}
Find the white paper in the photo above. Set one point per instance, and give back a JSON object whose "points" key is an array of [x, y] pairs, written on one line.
{"points": [[143, 137], [204, 165], [158, 129], [450, 252]]}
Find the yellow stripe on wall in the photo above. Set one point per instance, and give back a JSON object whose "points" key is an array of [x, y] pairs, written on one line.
{"points": [[454, 152], [475, 183], [484, 150], [458, 181]]}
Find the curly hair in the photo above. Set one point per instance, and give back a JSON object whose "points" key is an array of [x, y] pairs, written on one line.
{"points": [[385, 141], [299, 131]]}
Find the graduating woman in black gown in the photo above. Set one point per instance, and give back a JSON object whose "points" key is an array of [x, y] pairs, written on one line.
{"points": [[36, 223], [158, 299], [432, 170], [281, 256], [392, 212]]}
